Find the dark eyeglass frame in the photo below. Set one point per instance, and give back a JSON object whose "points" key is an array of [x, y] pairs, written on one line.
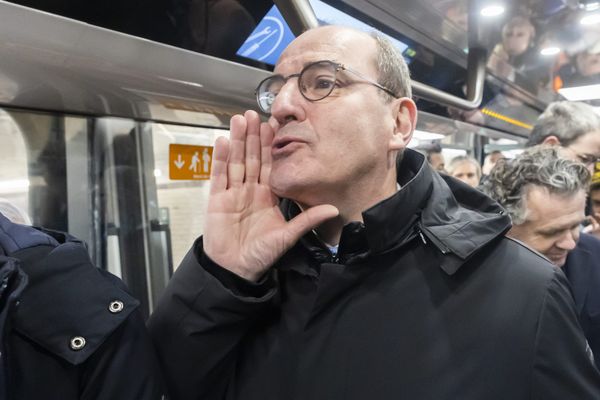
{"points": [[336, 68]]}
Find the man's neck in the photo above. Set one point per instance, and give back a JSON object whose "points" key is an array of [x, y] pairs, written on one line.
{"points": [[330, 231]]}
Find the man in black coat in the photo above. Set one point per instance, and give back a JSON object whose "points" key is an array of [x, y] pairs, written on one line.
{"points": [[335, 264], [545, 196], [574, 128], [68, 330]]}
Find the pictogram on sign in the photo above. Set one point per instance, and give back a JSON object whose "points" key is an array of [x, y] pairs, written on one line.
{"points": [[187, 162]]}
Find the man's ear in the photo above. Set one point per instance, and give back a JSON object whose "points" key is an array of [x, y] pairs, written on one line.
{"points": [[405, 122], [551, 140]]}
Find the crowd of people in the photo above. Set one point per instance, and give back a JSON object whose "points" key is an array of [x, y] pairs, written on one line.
{"points": [[335, 262]]}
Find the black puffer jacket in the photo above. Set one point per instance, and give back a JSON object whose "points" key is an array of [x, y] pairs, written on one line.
{"points": [[426, 299], [68, 330]]}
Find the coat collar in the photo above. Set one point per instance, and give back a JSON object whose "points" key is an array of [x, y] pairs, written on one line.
{"points": [[456, 219]]}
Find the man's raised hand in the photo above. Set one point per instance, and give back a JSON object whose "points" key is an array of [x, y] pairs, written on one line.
{"points": [[245, 231]]}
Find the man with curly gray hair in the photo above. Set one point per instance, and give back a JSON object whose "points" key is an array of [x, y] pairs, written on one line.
{"points": [[544, 194]]}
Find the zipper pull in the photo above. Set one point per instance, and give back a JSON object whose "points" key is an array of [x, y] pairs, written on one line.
{"points": [[422, 237]]}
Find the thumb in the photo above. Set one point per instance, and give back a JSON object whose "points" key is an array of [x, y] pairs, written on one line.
{"points": [[309, 219]]}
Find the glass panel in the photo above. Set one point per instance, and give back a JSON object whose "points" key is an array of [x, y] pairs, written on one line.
{"points": [[14, 177], [182, 203]]}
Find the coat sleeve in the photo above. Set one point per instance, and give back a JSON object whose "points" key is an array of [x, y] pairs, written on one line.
{"points": [[200, 320], [563, 366]]}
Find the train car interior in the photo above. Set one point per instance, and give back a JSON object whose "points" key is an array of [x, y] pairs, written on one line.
{"points": [[95, 97]]}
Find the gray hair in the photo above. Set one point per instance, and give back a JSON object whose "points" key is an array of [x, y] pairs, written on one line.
{"points": [[456, 161], [541, 166], [566, 120], [393, 71]]}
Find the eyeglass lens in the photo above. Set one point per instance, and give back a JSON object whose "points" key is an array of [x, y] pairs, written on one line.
{"points": [[316, 81]]}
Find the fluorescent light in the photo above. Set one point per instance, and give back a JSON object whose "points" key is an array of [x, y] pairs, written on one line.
{"points": [[590, 19], [578, 93], [424, 135], [15, 185], [492, 11], [591, 6], [550, 51]]}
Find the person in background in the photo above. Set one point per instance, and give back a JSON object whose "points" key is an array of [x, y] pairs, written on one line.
{"points": [[336, 264], [594, 194], [574, 126], [466, 169], [490, 160], [513, 53], [68, 330], [436, 159], [545, 194]]}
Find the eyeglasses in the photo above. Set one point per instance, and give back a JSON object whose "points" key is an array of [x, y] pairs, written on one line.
{"points": [[315, 82]]}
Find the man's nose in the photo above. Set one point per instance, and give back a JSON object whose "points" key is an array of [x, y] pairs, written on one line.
{"points": [[288, 104], [569, 240]]}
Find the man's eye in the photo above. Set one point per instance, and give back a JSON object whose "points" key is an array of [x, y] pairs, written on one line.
{"points": [[324, 83]]}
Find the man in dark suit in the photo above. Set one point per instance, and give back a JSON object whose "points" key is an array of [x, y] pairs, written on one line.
{"points": [[545, 195], [583, 271]]}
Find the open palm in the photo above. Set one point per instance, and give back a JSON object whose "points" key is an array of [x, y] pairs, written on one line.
{"points": [[245, 231]]}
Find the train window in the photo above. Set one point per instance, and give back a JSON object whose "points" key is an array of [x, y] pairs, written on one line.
{"points": [[14, 179], [181, 203], [44, 177]]}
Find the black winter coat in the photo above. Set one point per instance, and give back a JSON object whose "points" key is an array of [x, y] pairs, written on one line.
{"points": [[427, 300], [71, 332]]}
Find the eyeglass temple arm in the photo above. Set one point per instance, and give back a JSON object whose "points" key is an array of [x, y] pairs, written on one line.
{"points": [[300, 17]]}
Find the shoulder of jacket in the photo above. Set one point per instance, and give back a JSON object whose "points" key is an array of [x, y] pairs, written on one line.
{"points": [[69, 307], [525, 262]]}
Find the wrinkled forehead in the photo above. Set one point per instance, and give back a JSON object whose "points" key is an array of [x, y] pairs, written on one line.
{"points": [[347, 46]]}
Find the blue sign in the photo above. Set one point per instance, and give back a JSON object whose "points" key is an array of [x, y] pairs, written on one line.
{"points": [[270, 37]]}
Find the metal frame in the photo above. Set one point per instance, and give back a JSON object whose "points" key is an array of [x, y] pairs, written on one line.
{"points": [[300, 16]]}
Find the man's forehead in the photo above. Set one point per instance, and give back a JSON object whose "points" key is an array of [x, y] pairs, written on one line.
{"points": [[546, 208], [327, 43]]}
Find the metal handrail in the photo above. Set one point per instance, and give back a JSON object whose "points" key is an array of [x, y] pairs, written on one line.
{"points": [[300, 17]]}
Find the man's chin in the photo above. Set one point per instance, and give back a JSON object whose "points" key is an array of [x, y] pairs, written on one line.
{"points": [[559, 261]]}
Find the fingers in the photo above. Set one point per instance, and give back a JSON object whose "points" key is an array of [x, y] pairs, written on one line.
{"points": [[266, 141], [236, 165], [218, 174], [253, 146], [309, 219]]}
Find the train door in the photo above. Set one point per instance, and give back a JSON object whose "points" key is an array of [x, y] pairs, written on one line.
{"points": [[176, 164]]}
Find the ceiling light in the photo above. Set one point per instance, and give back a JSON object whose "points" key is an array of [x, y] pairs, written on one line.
{"points": [[578, 93], [550, 51], [424, 135], [492, 11], [591, 6], [590, 19]]}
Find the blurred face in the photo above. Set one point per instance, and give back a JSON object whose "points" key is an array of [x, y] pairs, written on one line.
{"points": [[595, 200], [552, 224], [466, 172], [516, 39], [585, 149], [347, 139], [437, 162], [588, 64]]}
